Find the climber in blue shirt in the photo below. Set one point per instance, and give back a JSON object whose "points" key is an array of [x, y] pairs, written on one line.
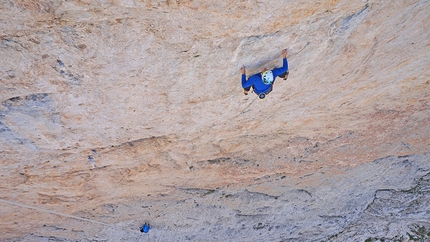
{"points": [[262, 83]]}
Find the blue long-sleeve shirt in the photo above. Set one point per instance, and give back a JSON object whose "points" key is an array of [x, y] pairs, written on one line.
{"points": [[257, 82]]}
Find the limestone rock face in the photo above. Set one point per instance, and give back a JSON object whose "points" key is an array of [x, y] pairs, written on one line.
{"points": [[116, 113]]}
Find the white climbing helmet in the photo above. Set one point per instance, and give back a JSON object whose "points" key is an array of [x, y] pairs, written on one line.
{"points": [[267, 77]]}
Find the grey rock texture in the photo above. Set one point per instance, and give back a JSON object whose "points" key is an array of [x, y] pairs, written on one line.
{"points": [[119, 112]]}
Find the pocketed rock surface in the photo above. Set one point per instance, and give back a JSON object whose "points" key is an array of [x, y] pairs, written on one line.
{"points": [[116, 113]]}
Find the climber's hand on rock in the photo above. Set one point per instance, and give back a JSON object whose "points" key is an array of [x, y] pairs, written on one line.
{"points": [[284, 53], [242, 69]]}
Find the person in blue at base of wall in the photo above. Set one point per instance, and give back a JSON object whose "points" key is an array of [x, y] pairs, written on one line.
{"points": [[262, 83], [145, 228]]}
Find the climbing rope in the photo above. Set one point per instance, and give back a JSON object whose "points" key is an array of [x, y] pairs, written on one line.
{"points": [[245, 110], [63, 214]]}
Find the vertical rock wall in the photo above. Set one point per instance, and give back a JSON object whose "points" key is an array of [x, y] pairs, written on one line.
{"points": [[114, 113]]}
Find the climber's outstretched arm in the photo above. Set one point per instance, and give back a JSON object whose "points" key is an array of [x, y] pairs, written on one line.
{"points": [[245, 83], [278, 71]]}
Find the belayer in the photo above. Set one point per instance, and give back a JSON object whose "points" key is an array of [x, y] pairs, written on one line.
{"points": [[145, 228], [262, 83]]}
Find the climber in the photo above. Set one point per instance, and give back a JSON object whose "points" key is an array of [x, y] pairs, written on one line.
{"points": [[262, 83]]}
